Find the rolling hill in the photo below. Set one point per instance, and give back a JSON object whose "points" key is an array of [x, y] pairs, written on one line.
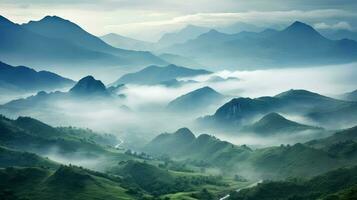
{"points": [[66, 182]]}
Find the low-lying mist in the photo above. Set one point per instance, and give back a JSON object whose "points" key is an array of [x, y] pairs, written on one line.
{"points": [[141, 114]]}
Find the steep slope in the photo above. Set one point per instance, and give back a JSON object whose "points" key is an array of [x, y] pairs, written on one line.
{"points": [[298, 44], [88, 86], [273, 123], [39, 44], [196, 100], [21, 79], [154, 75]]}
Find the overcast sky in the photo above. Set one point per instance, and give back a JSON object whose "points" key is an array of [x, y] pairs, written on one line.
{"points": [[148, 19]]}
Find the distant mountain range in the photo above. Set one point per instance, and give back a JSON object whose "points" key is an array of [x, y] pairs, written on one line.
{"points": [[24, 79], [155, 75], [350, 96], [196, 101], [273, 123], [298, 44], [123, 42], [339, 34], [56, 42], [321, 109]]}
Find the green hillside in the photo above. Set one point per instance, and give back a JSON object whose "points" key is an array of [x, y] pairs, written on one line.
{"points": [[340, 184]]}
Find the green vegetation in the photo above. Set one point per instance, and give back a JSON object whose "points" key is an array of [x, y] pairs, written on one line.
{"points": [[67, 182], [339, 184]]}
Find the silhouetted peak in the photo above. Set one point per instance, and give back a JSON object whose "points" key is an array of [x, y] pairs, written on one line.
{"points": [[89, 85], [185, 132], [5, 21]]}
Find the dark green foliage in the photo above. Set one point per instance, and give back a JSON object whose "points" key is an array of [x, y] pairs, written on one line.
{"points": [[10, 158], [338, 184], [68, 182]]}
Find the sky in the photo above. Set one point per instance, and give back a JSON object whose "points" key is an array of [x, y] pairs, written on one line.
{"points": [[149, 19]]}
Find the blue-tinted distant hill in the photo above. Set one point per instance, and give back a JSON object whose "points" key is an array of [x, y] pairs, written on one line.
{"points": [[24, 79], [298, 44], [54, 41], [197, 100], [273, 123], [155, 75], [321, 109]]}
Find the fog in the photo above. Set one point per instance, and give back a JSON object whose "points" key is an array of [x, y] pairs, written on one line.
{"points": [[141, 114]]}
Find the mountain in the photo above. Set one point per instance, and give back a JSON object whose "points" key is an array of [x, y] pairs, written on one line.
{"points": [[239, 27], [123, 42], [55, 41], [279, 162], [337, 184], [65, 144], [56, 27], [339, 34], [350, 96], [197, 100], [273, 123], [187, 33], [23, 79], [88, 86], [179, 60], [184, 145], [170, 143], [240, 111], [85, 90], [11, 158], [298, 44], [154, 75]]}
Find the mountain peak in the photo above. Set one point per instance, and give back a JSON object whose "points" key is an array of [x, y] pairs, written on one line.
{"points": [[89, 86], [298, 93], [272, 117], [185, 132], [301, 29], [53, 17]]}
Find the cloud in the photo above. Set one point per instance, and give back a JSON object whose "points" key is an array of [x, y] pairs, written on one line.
{"points": [[148, 20], [336, 26]]}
